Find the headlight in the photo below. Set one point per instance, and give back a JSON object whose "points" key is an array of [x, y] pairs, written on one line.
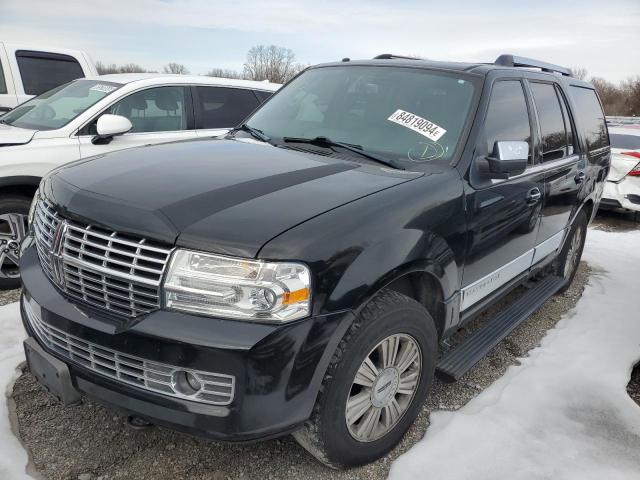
{"points": [[32, 208], [237, 288]]}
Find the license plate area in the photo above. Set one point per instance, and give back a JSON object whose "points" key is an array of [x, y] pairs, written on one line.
{"points": [[51, 373]]}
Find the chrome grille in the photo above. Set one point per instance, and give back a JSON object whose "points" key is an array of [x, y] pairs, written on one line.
{"points": [[216, 388], [102, 268], [45, 225]]}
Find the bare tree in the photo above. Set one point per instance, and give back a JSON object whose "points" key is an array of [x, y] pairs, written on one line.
{"points": [[175, 68], [104, 69], [273, 63], [579, 72], [225, 73]]}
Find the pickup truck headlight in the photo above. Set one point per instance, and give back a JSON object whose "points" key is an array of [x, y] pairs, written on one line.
{"points": [[237, 288], [32, 208]]}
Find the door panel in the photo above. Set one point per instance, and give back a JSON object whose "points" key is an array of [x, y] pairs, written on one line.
{"points": [[503, 224], [556, 155], [502, 215]]}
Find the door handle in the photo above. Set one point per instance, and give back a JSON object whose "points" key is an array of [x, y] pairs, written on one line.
{"points": [[579, 178], [533, 196]]}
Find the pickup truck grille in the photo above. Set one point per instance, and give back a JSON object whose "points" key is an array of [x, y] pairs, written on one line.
{"points": [[99, 267], [216, 388]]}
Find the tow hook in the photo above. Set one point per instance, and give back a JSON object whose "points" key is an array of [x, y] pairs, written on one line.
{"points": [[138, 423]]}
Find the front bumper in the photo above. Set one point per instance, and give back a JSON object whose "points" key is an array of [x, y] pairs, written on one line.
{"points": [[624, 194], [277, 369]]}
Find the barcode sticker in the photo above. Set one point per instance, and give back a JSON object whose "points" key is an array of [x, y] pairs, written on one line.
{"points": [[418, 124], [103, 88]]}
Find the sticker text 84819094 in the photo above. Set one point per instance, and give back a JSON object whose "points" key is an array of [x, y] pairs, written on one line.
{"points": [[417, 124]]}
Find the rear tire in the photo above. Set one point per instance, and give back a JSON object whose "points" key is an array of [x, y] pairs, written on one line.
{"points": [[393, 394], [13, 229], [566, 265]]}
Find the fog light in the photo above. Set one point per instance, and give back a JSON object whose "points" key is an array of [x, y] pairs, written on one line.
{"points": [[186, 383]]}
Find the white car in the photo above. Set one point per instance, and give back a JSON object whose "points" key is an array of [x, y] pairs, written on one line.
{"points": [[96, 115], [28, 70], [622, 188]]}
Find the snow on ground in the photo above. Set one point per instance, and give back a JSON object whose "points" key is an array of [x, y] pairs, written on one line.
{"points": [[13, 458], [564, 413]]}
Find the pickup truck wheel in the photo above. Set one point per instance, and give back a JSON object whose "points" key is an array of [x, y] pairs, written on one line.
{"points": [[567, 263], [13, 228], [376, 383]]}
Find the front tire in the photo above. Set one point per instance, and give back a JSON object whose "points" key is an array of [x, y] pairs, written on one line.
{"points": [[566, 265], [13, 229], [376, 383]]}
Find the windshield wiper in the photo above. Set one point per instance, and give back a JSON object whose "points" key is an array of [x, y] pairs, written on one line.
{"points": [[254, 132], [324, 141]]}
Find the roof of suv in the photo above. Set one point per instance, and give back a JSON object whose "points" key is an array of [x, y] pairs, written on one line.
{"points": [[467, 67], [155, 78]]}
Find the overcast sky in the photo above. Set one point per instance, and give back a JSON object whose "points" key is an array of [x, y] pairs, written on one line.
{"points": [[602, 36]]}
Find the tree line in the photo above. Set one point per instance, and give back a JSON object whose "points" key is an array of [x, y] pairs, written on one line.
{"points": [[272, 63], [618, 100]]}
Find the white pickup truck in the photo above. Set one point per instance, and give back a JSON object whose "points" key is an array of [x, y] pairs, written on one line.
{"points": [[27, 71]]}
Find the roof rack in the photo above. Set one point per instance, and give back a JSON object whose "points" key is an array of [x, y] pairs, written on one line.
{"points": [[390, 56], [515, 61]]}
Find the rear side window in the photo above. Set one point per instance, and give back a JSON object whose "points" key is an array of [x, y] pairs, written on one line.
{"points": [[591, 116], [3, 83], [221, 107], [631, 142], [552, 130], [262, 95], [41, 71], [508, 116]]}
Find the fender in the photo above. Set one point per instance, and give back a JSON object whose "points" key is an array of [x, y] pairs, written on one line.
{"points": [[379, 265]]}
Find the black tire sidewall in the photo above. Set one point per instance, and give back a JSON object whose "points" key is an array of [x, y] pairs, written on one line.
{"points": [[341, 447], [580, 220], [13, 204]]}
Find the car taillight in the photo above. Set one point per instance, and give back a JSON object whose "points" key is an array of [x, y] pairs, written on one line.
{"points": [[635, 172]]}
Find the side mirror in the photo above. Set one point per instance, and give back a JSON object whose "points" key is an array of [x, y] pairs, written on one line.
{"points": [[109, 126], [508, 159]]}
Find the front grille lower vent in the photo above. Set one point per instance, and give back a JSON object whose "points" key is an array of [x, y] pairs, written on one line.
{"points": [[216, 388]]}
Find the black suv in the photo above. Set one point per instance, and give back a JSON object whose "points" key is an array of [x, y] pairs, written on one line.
{"points": [[305, 274]]}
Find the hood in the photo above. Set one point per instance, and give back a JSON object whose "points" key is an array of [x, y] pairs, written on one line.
{"points": [[221, 196], [10, 135]]}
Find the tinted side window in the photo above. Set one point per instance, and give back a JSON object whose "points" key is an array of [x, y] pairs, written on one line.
{"points": [[3, 84], [571, 137], [507, 117], [552, 129], [632, 142], [41, 71], [591, 117], [160, 109], [262, 95], [222, 107]]}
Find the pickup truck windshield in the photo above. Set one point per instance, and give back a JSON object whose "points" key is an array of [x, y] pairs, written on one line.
{"points": [[403, 114], [57, 107]]}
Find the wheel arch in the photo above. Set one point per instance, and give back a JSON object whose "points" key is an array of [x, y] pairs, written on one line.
{"points": [[24, 185]]}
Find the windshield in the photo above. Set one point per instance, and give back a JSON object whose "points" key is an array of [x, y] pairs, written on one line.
{"points": [[57, 107], [405, 114]]}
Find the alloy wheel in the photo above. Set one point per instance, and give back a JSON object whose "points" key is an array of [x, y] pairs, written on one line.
{"points": [[384, 387], [13, 229]]}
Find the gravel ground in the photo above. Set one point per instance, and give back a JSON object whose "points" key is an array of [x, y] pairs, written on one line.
{"points": [[92, 442]]}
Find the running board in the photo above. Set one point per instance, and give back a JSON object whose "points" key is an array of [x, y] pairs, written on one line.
{"points": [[462, 358]]}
